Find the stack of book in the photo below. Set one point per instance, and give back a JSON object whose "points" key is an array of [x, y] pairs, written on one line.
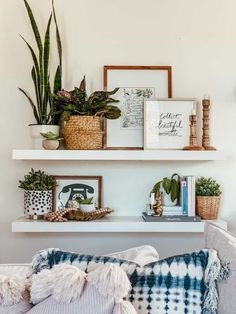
{"points": [[185, 210]]}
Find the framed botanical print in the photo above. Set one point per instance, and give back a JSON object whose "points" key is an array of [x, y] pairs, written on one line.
{"points": [[166, 123], [71, 188], [136, 84]]}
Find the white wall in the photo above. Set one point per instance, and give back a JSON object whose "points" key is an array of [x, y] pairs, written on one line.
{"points": [[197, 38]]}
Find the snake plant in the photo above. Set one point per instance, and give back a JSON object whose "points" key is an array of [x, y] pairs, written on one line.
{"points": [[43, 104]]}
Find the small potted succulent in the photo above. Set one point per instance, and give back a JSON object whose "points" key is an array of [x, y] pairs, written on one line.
{"points": [[51, 141], [208, 193], [170, 189], [38, 193], [82, 115], [86, 205]]}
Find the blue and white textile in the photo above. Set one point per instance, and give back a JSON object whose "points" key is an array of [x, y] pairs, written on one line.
{"points": [[176, 285]]}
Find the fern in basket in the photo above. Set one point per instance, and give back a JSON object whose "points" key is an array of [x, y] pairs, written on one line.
{"points": [[207, 187]]}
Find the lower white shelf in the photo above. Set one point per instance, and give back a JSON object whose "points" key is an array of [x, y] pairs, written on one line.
{"points": [[111, 224]]}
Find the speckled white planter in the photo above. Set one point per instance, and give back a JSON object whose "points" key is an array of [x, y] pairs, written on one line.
{"points": [[37, 203]]}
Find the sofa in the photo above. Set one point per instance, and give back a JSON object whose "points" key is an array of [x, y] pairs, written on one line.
{"points": [[79, 288]]}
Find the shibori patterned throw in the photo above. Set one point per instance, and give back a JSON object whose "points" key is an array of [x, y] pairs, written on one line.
{"points": [[176, 285]]}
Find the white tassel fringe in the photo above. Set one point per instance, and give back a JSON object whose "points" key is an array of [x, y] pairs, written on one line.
{"points": [[11, 289]]}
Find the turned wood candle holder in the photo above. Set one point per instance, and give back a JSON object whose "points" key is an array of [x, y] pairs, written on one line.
{"points": [[206, 125], [193, 145]]}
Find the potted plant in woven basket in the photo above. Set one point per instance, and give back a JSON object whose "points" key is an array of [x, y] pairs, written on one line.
{"points": [[82, 115], [38, 193], [207, 198]]}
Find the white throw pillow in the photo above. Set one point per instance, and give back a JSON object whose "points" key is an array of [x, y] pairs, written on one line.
{"points": [[140, 255]]}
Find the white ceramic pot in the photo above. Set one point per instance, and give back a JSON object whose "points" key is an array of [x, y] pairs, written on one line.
{"points": [[50, 144], [36, 129], [166, 200], [87, 208], [37, 203]]}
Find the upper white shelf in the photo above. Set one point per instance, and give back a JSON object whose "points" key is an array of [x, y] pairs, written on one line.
{"points": [[28, 154], [111, 224]]}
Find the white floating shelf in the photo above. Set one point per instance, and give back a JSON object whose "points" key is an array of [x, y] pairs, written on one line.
{"points": [[116, 155], [111, 224]]}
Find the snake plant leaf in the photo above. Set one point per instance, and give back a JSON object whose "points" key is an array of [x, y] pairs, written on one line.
{"points": [[33, 55], [82, 86], [57, 80], [34, 27], [58, 37], [166, 183], [174, 190], [36, 87], [46, 50], [32, 105]]}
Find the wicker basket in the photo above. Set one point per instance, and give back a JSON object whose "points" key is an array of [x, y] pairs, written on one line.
{"points": [[208, 206], [83, 132]]}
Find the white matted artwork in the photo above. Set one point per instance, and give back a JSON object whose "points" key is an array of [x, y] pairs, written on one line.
{"points": [[166, 123], [71, 188], [136, 84]]}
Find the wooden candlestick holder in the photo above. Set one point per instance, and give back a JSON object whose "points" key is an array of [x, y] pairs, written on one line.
{"points": [[193, 145], [206, 125]]}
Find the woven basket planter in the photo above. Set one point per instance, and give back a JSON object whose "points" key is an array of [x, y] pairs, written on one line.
{"points": [[208, 206], [83, 132]]}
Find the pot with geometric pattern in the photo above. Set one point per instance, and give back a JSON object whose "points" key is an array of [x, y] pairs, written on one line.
{"points": [[37, 203]]}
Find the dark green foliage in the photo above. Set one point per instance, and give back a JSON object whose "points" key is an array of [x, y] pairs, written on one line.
{"points": [[77, 102], [86, 201], [170, 186], [42, 105], [207, 187], [37, 181]]}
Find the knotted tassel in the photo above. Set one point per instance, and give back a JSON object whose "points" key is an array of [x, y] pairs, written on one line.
{"points": [[124, 307], [110, 280], [11, 289], [63, 282]]}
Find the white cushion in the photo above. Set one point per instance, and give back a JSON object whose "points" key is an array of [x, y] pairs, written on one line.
{"points": [[141, 255]]}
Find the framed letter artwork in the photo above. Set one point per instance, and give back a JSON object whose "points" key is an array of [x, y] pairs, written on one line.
{"points": [[136, 84], [166, 123]]}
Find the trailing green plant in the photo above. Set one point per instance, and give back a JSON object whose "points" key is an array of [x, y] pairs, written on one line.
{"points": [[86, 201], [77, 102], [51, 136], [207, 187], [37, 181], [170, 186], [42, 106]]}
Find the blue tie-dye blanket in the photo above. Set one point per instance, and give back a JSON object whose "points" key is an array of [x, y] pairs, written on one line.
{"points": [[176, 285]]}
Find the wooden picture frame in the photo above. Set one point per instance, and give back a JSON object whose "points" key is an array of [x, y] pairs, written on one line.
{"points": [[166, 123], [71, 189], [166, 71]]}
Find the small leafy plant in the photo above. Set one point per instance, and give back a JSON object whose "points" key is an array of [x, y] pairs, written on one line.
{"points": [[86, 201], [171, 186], [37, 181], [207, 187], [77, 102], [51, 136]]}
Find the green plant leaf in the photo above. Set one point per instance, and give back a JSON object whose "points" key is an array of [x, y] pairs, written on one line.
{"points": [[57, 80], [82, 86], [156, 187], [58, 37], [166, 183], [32, 105], [86, 201], [34, 27], [175, 187]]}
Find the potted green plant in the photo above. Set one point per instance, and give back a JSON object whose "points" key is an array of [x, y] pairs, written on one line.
{"points": [[51, 141], [86, 205], [82, 115], [37, 188], [170, 188], [208, 194], [42, 105]]}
